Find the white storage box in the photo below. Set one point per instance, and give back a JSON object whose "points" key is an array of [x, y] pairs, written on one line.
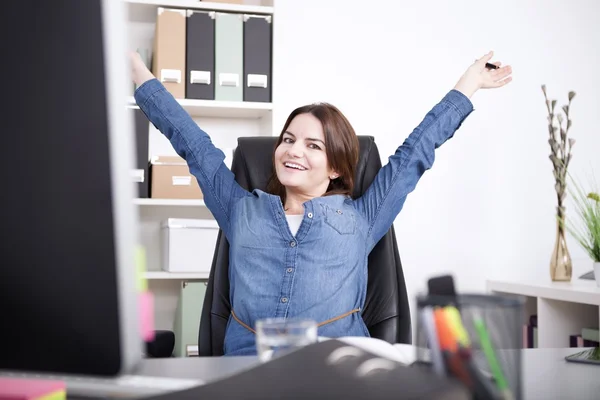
{"points": [[188, 245]]}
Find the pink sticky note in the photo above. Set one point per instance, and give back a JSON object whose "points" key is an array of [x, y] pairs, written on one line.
{"points": [[147, 316], [17, 389]]}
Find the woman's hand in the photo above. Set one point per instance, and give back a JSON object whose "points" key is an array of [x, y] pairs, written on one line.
{"points": [[139, 72], [477, 76]]}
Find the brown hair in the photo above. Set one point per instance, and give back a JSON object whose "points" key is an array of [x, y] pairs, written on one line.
{"points": [[341, 147]]}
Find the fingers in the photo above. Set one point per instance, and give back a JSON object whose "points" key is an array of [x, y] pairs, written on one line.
{"points": [[500, 77], [501, 73], [493, 78], [502, 82], [486, 58]]}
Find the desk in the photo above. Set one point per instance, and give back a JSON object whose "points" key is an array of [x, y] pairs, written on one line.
{"points": [[546, 374]]}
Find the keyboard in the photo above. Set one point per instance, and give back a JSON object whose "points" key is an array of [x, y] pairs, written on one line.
{"points": [[124, 386]]}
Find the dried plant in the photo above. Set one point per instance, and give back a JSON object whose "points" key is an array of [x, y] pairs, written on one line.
{"points": [[560, 147]]}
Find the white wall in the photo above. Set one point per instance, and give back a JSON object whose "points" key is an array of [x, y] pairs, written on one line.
{"points": [[486, 209]]}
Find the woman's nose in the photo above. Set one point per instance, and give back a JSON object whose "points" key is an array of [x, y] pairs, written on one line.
{"points": [[295, 150]]}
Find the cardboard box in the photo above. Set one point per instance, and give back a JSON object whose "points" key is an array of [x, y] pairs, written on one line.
{"points": [[188, 245], [170, 178], [169, 50]]}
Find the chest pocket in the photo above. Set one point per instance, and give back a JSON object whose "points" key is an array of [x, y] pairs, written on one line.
{"points": [[342, 221]]}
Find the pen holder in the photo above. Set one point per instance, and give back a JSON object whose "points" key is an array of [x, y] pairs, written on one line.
{"points": [[476, 339]]}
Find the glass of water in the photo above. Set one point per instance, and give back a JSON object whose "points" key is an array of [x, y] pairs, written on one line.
{"points": [[278, 336]]}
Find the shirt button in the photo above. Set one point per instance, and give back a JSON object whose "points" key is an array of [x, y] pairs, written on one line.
{"points": [[292, 244], [339, 211], [284, 299], [289, 270], [309, 215]]}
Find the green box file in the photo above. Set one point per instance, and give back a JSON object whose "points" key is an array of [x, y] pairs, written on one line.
{"points": [[187, 317], [229, 57]]}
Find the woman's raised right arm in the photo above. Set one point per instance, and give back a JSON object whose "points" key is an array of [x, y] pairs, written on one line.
{"points": [[205, 161]]}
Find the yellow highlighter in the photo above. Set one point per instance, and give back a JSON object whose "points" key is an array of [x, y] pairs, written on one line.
{"points": [[454, 320], [140, 269]]}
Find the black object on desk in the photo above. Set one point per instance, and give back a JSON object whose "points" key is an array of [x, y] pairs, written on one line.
{"points": [[162, 346], [588, 275], [326, 370], [590, 356]]}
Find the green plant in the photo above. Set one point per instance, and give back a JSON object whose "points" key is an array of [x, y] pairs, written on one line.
{"points": [[587, 230], [560, 155]]}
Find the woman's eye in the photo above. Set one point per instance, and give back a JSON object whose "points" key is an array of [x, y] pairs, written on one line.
{"points": [[314, 146], [287, 140]]}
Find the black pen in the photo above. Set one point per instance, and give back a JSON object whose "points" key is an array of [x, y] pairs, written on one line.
{"points": [[491, 66]]}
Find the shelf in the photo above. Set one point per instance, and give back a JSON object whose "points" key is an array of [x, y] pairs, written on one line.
{"points": [[576, 291], [145, 10], [170, 202], [562, 308], [163, 275], [220, 109], [202, 5]]}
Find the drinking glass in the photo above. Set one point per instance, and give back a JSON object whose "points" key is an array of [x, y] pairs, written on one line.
{"points": [[278, 336]]}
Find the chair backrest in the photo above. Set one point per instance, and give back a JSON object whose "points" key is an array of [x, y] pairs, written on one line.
{"points": [[386, 312]]}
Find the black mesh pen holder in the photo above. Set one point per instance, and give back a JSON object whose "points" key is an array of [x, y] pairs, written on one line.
{"points": [[474, 338]]}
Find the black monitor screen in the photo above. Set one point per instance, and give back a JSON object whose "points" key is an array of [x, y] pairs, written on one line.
{"points": [[58, 301]]}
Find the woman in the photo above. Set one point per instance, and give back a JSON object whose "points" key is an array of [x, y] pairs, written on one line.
{"points": [[301, 249]]}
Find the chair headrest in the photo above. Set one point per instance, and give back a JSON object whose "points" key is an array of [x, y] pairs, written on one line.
{"points": [[252, 162]]}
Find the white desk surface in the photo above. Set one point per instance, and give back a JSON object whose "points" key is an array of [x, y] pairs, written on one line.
{"points": [[576, 291], [546, 375]]}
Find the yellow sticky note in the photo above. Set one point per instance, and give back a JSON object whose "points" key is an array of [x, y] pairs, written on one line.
{"points": [[58, 395], [140, 268]]}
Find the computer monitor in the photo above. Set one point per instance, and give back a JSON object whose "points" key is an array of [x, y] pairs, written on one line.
{"points": [[68, 300]]}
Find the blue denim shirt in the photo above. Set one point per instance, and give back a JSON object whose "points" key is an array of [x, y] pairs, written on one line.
{"points": [[321, 272]]}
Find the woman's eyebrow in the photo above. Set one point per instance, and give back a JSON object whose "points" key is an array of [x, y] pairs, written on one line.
{"points": [[311, 139], [316, 140]]}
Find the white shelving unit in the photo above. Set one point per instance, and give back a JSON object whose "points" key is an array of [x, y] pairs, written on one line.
{"points": [[224, 121], [562, 308], [221, 109], [169, 203], [151, 275], [139, 7]]}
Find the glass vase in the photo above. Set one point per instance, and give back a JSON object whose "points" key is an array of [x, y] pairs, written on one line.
{"points": [[561, 266]]}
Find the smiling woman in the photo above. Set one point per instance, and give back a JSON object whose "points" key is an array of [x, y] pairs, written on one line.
{"points": [[316, 155], [300, 249]]}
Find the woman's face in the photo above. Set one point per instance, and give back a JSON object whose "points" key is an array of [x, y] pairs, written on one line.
{"points": [[301, 160]]}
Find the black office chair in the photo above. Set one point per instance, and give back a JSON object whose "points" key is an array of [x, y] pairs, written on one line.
{"points": [[386, 312]]}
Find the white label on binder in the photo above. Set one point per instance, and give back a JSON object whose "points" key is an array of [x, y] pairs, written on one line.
{"points": [[137, 175], [201, 77], [170, 75], [265, 17], [182, 180], [255, 80], [191, 350], [161, 10], [226, 79]]}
